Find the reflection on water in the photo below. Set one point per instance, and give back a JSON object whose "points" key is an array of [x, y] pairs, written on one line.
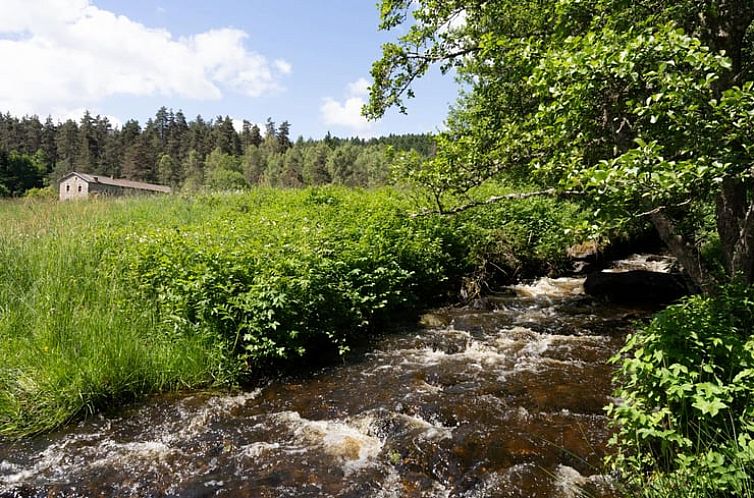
{"points": [[504, 402]]}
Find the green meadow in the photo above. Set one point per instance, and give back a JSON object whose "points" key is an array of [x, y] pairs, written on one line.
{"points": [[106, 301]]}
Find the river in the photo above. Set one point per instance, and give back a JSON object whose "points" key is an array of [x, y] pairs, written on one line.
{"points": [[504, 401]]}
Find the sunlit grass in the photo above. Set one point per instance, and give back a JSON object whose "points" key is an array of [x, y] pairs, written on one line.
{"points": [[73, 339], [105, 301]]}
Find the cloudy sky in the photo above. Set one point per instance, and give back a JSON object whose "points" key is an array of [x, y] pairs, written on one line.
{"points": [[305, 61]]}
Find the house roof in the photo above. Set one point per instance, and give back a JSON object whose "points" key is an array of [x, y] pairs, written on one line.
{"points": [[106, 180]]}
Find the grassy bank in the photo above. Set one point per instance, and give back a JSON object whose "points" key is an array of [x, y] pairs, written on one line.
{"points": [[102, 302]]}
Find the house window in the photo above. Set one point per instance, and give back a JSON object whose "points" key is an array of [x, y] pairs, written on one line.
{"points": [[67, 188], [79, 188]]}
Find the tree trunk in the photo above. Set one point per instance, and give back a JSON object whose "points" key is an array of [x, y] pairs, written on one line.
{"points": [[724, 25], [730, 210], [742, 255], [686, 253]]}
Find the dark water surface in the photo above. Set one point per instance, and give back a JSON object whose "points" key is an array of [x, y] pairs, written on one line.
{"points": [[504, 402]]}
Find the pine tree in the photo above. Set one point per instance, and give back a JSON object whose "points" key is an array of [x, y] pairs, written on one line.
{"points": [[256, 136], [283, 136], [292, 171], [138, 162], [199, 139], [315, 165], [48, 145], [87, 145], [225, 136], [250, 136], [193, 169], [67, 141]]}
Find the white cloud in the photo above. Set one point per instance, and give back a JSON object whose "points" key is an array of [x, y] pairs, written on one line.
{"points": [[348, 112], [70, 54], [283, 66], [359, 88]]}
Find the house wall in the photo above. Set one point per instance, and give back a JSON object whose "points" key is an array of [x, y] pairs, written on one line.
{"points": [[101, 190], [74, 188]]}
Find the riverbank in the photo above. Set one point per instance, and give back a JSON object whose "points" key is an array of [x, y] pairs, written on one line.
{"points": [[103, 302], [504, 400]]}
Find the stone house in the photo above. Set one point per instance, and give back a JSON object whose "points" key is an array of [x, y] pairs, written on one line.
{"points": [[76, 185]]}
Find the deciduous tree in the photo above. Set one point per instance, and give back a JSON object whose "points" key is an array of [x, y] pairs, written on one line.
{"points": [[645, 108]]}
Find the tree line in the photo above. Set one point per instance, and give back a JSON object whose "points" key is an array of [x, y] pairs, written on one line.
{"points": [[190, 155]]}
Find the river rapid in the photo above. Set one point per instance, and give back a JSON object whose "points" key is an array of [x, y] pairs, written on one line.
{"points": [[504, 401]]}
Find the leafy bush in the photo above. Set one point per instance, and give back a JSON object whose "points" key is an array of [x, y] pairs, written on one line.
{"points": [[43, 193], [685, 425], [302, 269]]}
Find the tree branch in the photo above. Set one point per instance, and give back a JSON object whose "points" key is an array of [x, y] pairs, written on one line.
{"points": [[687, 254], [660, 208], [551, 192]]}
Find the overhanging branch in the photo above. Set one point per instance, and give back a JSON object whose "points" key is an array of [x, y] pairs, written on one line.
{"points": [[551, 192]]}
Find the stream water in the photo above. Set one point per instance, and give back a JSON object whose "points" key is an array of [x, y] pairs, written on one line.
{"points": [[500, 402]]}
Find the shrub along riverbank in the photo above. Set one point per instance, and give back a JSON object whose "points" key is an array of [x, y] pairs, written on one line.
{"points": [[685, 423], [103, 302]]}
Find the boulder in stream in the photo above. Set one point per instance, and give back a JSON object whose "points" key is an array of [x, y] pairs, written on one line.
{"points": [[637, 286]]}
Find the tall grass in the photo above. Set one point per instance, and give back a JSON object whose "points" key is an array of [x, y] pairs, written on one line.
{"points": [[73, 338], [102, 302]]}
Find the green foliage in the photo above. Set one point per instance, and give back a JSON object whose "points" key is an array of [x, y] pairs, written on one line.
{"points": [[43, 193], [73, 338], [276, 276], [20, 172], [221, 179], [643, 108], [659, 83], [520, 238], [686, 415], [105, 301]]}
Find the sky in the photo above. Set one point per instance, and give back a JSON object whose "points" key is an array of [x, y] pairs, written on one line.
{"points": [[302, 61]]}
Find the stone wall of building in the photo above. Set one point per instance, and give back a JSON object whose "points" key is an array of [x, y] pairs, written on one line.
{"points": [[74, 188]]}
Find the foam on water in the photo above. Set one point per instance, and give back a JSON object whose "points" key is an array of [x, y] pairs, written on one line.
{"points": [[258, 449], [649, 262], [346, 440], [57, 465], [510, 349], [551, 288], [212, 409]]}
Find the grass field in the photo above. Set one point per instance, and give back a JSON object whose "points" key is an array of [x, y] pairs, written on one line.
{"points": [[102, 302]]}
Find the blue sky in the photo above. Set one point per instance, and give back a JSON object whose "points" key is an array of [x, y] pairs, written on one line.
{"points": [[305, 61]]}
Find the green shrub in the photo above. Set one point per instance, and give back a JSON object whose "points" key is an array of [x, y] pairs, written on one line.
{"points": [[303, 269], [44, 193], [685, 423], [517, 239]]}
